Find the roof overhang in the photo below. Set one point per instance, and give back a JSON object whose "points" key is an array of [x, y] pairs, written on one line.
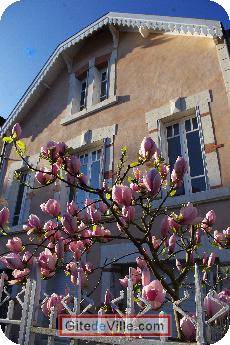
{"points": [[125, 22]]}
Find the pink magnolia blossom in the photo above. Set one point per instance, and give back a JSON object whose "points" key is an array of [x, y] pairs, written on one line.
{"points": [[51, 207], [59, 248], [19, 275], [17, 131], [28, 258], [148, 148], [53, 150], [172, 243], [179, 266], [103, 207], [14, 245], [211, 259], [145, 276], [137, 173], [180, 169], [188, 327], [189, 215], [122, 195], [224, 296], [4, 216], [128, 213], [205, 259], [73, 165], [124, 282], [47, 260], [69, 223], [12, 261], [165, 226], [226, 232], [108, 297], [218, 237], [210, 306], [210, 218], [154, 293], [95, 216], [88, 267], [152, 181], [156, 242], [141, 263], [53, 301]]}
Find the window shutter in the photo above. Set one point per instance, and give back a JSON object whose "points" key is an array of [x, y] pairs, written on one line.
{"points": [[12, 190], [26, 201]]}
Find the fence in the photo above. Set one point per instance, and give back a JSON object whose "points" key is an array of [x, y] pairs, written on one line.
{"points": [[28, 298]]}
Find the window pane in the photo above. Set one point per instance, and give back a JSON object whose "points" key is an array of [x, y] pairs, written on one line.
{"points": [[81, 195], [176, 129], [169, 131], [195, 154], [194, 123], [94, 156], [174, 150], [18, 206], [95, 174], [188, 125], [198, 184]]}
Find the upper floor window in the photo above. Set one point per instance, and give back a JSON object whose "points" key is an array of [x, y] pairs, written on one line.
{"points": [[104, 84], [83, 94], [91, 162], [18, 211], [183, 139]]}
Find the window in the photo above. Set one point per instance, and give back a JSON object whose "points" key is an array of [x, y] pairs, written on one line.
{"points": [[19, 200], [104, 84], [90, 166], [183, 139], [83, 94]]}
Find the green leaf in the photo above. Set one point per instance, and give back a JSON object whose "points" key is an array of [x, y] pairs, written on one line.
{"points": [[21, 146], [134, 164], [131, 179], [7, 140], [173, 192], [124, 149], [108, 196]]}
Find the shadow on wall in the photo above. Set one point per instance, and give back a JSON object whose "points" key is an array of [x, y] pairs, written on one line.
{"points": [[139, 42], [47, 109]]}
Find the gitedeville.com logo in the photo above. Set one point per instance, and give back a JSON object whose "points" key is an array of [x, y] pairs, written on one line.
{"points": [[114, 325]]}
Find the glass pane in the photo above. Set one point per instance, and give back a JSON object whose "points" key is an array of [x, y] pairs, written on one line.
{"points": [[98, 154], [103, 89], [174, 150], [95, 178], [188, 125], [81, 195], [18, 206], [95, 174], [176, 129], [198, 184], [194, 123], [103, 76], [86, 159], [94, 156], [169, 131], [195, 154]]}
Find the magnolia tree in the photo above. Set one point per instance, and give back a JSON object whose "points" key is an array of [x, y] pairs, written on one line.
{"points": [[129, 203]]}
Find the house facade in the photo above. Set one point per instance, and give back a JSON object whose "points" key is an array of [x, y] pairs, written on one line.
{"points": [[124, 77]]}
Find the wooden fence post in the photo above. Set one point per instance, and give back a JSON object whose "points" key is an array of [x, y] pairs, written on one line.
{"points": [[200, 329], [30, 306]]}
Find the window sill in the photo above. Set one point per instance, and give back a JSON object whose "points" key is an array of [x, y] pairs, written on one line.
{"points": [[94, 108], [197, 198]]}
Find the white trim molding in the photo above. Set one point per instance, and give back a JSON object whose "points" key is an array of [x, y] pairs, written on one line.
{"points": [[123, 21], [179, 108], [224, 60]]}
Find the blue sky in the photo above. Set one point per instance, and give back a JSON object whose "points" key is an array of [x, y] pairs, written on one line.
{"points": [[31, 29]]}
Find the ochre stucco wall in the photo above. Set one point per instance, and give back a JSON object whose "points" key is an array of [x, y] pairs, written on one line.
{"points": [[150, 72]]}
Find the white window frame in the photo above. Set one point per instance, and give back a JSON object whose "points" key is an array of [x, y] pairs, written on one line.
{"points": [[104, 70], [85, 91], [24, 199], [89, 165], [184, 149]]}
